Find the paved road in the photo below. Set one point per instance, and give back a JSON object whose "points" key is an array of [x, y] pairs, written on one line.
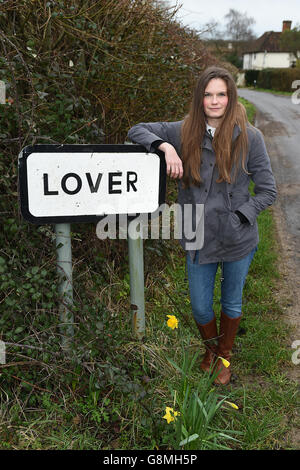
{"points": [[279, 120]]}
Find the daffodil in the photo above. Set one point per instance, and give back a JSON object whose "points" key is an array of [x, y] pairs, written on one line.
{"points": [[232, 404], [224, 361], [172, 322], [168, 416]]}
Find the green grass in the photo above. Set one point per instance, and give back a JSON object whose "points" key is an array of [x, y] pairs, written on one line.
{"points": [[83, 415], [250, 108], [274, 92]]}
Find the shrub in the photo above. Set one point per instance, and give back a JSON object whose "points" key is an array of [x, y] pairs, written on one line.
{"points": [[277, 79]]}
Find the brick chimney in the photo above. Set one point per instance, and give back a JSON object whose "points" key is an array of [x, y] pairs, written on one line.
{"points": [[286, 25]]}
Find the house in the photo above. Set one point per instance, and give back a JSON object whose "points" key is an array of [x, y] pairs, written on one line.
{"points": [[266, 52]]}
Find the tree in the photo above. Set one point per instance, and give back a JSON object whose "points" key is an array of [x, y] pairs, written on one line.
{"points": [[290, 41], [238, 26], [211, 30]]}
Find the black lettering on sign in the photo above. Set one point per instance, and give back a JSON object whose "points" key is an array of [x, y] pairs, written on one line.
{"points": [[46, 186], [93, 188], [111, 183], [64, 180], [131, 181]]}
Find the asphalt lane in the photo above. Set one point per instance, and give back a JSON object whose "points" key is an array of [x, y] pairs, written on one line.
{"points": [[279, 120]]}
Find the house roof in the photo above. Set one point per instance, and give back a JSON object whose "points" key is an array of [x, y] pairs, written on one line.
{"points": [[269, 41]]}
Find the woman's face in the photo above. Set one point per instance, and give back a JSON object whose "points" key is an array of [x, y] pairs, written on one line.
{"points": [[215, 99]]}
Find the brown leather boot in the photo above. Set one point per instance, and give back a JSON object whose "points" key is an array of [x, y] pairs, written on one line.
{"points": [[228, 330], [208, 333]]}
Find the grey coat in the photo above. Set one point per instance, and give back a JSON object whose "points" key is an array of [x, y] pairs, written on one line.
{"points": [[225, 237]]}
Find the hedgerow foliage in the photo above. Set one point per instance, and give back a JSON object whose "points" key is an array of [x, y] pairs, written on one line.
{"points": [[278, 79], [272, 79], [85, 72], [82, 72], [77, 72]]}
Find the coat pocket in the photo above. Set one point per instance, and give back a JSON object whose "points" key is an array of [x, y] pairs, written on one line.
{"points": [[230, 229]]}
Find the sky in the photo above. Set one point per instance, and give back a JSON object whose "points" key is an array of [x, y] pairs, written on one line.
{"points": [[268, 14]]}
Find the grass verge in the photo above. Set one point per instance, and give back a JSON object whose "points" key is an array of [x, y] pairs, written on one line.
{"points": [[273, 92], [117, 399]]}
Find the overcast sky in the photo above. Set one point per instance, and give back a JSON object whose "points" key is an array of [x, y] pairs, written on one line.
{"points": [[268, 14]]}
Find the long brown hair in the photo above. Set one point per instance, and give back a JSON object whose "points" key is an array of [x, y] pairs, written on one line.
{"points": [[229, 154]]}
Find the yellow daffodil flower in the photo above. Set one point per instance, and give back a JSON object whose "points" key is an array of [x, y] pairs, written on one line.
{"points": [[232, 404], [168, 416], [224, 361], [172, 322]]}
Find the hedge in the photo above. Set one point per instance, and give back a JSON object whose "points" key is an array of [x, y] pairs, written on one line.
{"points": [[273, 79]]}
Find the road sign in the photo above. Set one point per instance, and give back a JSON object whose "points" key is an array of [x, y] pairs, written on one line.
{"points": [[83, 183]]}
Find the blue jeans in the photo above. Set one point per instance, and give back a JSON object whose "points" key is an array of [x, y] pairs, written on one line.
{"points": [[202, 281]]}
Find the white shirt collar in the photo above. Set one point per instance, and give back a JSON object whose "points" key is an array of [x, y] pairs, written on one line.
{"points": [[211, 130]]}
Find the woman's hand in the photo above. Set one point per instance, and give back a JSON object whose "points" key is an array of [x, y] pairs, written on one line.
{"points": [[173, 162]]}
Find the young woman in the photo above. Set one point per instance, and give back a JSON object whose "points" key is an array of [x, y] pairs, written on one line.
{"points": [[214, 152]]}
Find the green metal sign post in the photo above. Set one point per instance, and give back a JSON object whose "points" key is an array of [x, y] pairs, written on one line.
{"points": [[64, 269], [137, 298]]}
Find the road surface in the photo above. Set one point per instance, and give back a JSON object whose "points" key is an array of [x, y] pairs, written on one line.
{"points": [[279, 120]]}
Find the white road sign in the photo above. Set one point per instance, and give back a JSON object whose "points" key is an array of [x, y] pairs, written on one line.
{"points": [[85, 182]]}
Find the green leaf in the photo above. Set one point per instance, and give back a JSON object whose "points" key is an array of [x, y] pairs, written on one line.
{"points": [[176, 366], [191, 438], [19, 329]]}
